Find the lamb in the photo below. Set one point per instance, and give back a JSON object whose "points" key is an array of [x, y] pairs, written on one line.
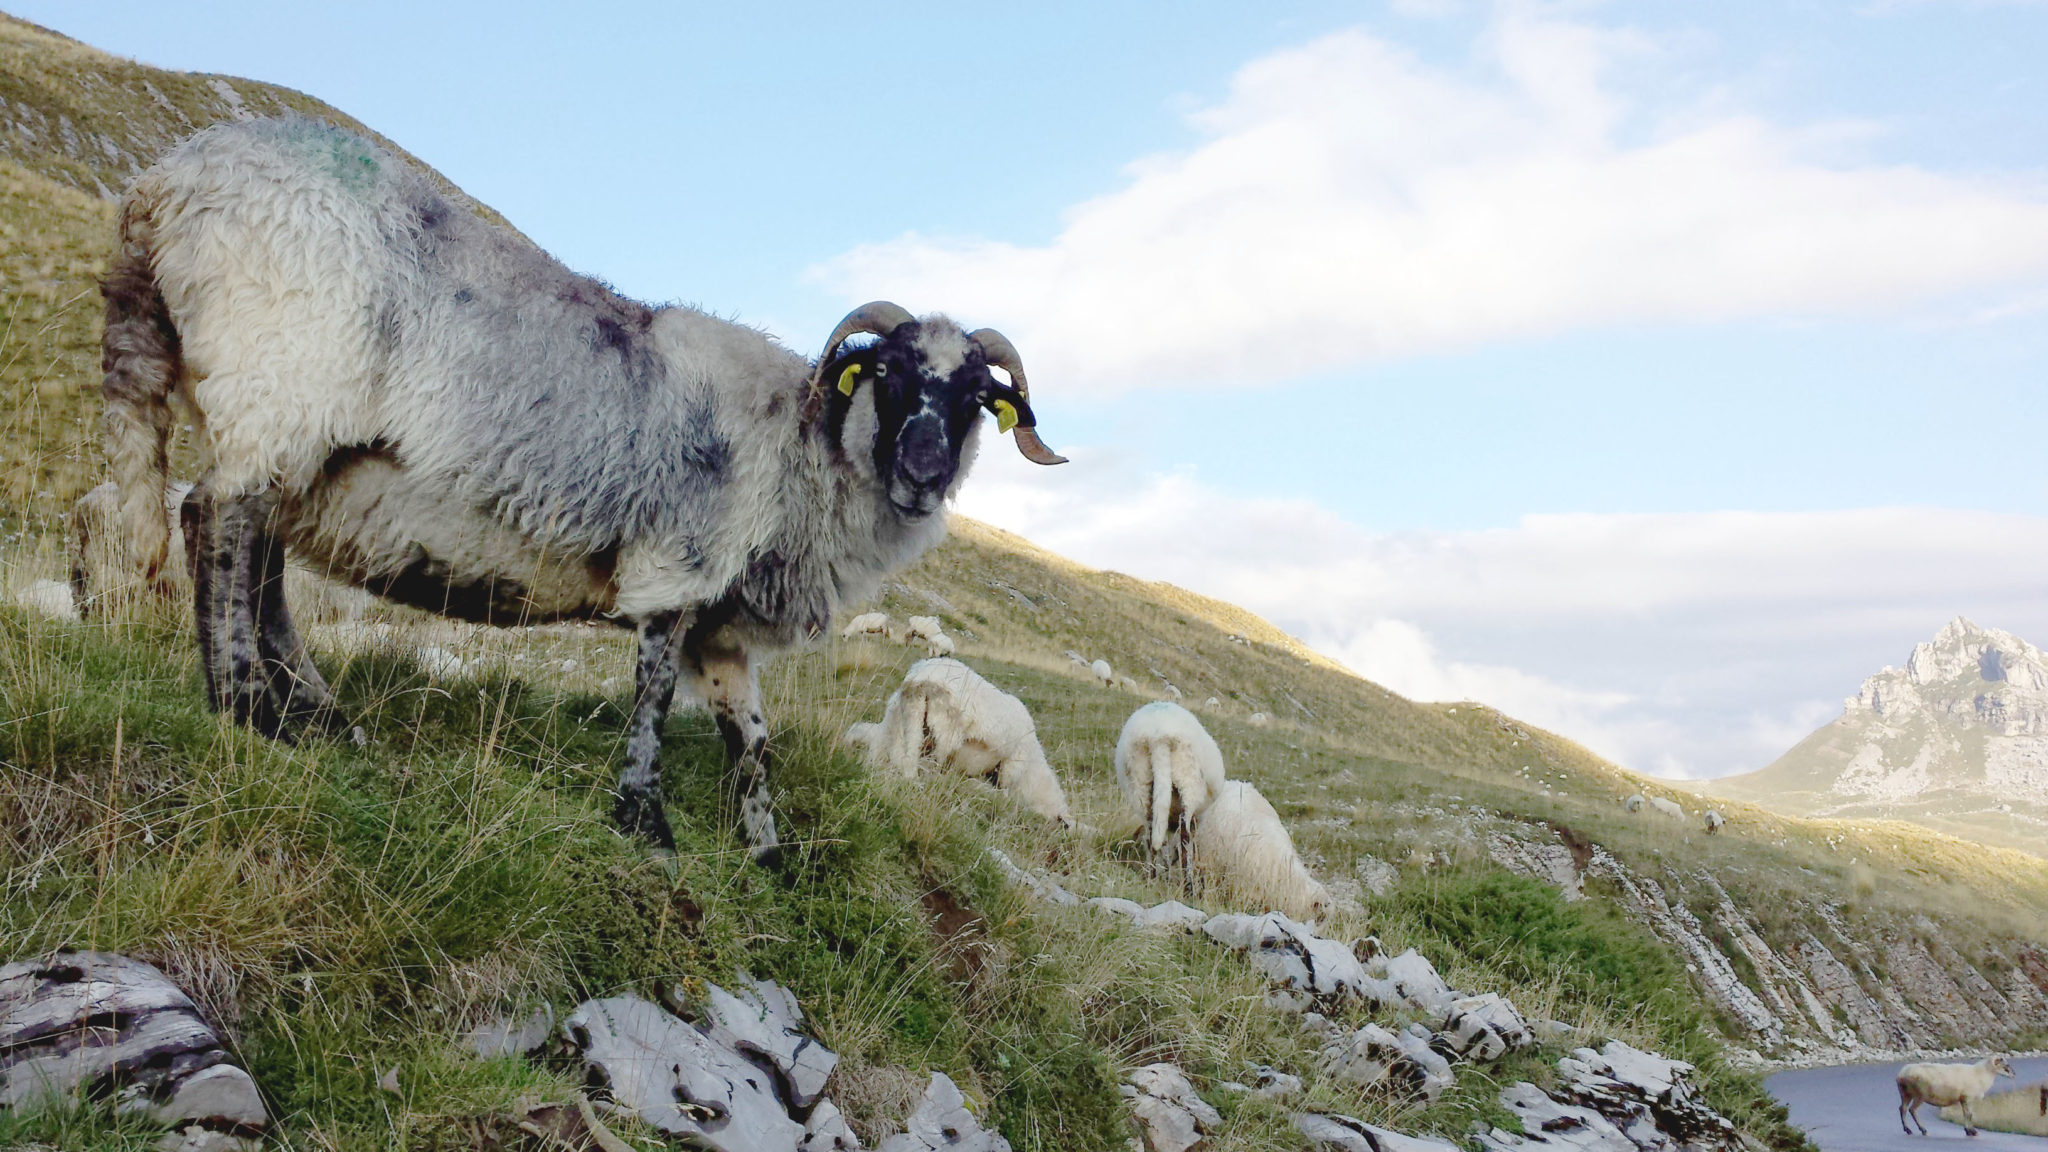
{"points": [[1169, 769], [866, 624], [424, 404], [1713, 820], [1241, 846], [963, 722], [1101, 670], [1944, 1084]]}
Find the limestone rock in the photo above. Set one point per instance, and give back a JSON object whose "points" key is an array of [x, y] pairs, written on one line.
{"points": [[1040, 886], [1548, 1124], [1647, 1097], [1353, 1135], [1292, 954], [93, 1024], [1171, 1115], [1402, 1060], [1413, 979], [1484, 1028], [827, 1131], [763, 1020], [942, 1122], [677, 1080], [1171, 914]]}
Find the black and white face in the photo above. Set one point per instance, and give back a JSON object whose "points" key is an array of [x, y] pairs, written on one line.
{"points": [[907, 406]]}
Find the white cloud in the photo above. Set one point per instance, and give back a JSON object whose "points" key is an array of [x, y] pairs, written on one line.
{"points": [[1682, 644], [1350, 202]]}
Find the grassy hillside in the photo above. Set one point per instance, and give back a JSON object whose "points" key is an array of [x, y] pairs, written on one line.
{"points": [[344, 911]]}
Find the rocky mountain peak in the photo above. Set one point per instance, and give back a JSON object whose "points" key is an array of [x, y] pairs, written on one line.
{"points": [[1957, 739]]}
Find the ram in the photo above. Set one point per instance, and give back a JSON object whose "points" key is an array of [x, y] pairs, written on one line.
{"points": [[424, 404]]}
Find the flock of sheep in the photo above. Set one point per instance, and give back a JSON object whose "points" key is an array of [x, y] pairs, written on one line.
{"points": [[1171, 773]]}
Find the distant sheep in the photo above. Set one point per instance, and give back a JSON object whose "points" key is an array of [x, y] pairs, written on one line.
{"points": [[1212, 702], [1127, 684], [1173, 692], [1634, 803], [1259, 719], [1667, 807], [1713, 820], [866, 624], [966, 725], [1103, 672], [1241, 846], [924, 628], [1169, 769], [1944, 1084], [940, 645]]}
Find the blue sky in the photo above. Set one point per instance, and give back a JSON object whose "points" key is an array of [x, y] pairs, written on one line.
{"points": [[1558, 308]]}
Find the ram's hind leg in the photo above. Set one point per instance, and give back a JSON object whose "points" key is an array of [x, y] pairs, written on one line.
{"points": [[638, 811], [228, 544], [730, 686], [298, 691]]}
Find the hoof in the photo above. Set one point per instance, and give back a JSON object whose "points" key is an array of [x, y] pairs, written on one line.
{"points": [[639, 814]]}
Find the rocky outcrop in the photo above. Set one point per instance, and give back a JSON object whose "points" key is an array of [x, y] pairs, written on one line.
{"points": [[94, 1025]]}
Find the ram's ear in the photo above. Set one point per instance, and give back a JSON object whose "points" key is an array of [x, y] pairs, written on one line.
{"points": [[849, 378], [1011, 410]]}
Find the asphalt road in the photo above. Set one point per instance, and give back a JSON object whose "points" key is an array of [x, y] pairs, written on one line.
{"points": [[1855, 1108]]}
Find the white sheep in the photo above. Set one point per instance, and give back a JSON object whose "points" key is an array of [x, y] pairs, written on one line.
{"points": [[1944, 1084], [1126, 683], [963, 723], [1633, 803], [1174, 693], [1259, 719], [420, 402], [1241, 846], [1713, 820], [1667, 807], [1103, 672], [866, 624], [924, 628], [1169, 768], [1213, 702], [940, 645]]}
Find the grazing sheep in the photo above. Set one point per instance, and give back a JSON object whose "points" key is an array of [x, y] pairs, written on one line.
{"points": [[424, 404], [1126, 683], [101, 569], [946, 711], [1944, 1084], [940, 645], [1713, 820], [1169, 769], [866, 624], [1667, 807], [924, 628], [1212, 702], [1241, 846], [1259, 719], [1174, 693], [1103, 672], [1634, 803]]}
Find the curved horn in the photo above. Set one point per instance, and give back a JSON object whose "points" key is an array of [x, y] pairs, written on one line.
{"points": [[878, 317], [1000, 353]]}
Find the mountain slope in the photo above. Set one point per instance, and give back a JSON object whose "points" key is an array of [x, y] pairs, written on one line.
{"points": [[1956, 740]]}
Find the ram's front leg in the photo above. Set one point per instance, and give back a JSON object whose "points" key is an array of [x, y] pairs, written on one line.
{"points": [[228, 542], [638, 811], [298, 691], [732, 689]]}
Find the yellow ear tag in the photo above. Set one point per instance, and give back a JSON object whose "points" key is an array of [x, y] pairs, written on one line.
{"points": [[1006, 415], [846, 379]]}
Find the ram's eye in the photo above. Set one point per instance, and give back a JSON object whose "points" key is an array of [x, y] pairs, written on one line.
{"points": [[881, 369]]}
